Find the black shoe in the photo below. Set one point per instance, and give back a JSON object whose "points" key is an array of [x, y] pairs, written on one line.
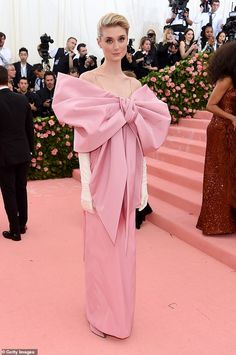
{"points": [[10, 235], [23, 229]]}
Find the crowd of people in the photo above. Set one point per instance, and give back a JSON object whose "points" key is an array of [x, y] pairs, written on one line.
{"points": [[37, 81], [115, 120]]}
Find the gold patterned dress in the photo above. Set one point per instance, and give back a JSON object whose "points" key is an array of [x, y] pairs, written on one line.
{"points": [[218, 212]]}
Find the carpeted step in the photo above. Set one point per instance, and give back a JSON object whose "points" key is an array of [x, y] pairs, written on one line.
{"points": [[181, 224], [184, 159], [193, 123], [188, 132], [185, 145], [179, 175], [179, 196]]}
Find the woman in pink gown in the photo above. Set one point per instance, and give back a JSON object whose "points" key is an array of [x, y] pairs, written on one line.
{"points": [[116, 123]]}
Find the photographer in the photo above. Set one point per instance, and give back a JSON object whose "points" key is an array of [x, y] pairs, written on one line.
{"points": [[63, 57], [46, 94], [210, 13], [33, 99], [145, 61], [179, 18]]}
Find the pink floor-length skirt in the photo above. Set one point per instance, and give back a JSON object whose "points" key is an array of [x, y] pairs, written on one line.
{"points": [[109, 276]]}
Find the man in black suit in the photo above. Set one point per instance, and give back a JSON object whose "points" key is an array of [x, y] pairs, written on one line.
{"points": [[16, 144], [24, 69]]}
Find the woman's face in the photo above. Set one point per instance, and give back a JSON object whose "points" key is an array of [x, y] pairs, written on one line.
{"points": [[169, 36], [146, 46], [189, 36], [113, 41], [222, 37], [209, 32]]}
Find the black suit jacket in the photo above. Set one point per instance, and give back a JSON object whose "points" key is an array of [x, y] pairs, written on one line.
{"points": [[30, 75], [16, 129]]}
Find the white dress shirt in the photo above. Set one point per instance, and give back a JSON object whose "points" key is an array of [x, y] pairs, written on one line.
{"points": [[5, 56], [203, 18]]}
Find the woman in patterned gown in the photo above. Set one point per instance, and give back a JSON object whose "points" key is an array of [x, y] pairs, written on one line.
{"points": [[218, 212]]}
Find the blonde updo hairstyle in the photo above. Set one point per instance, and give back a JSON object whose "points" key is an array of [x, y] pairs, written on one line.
{"points": [[110, 20]]}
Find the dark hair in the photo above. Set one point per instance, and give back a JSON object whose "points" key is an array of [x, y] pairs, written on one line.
{"points": [[218, 35], [38, 67], [23, 49], [203, 34], [185, 32], [3, 76], [80, 45], [47, 73], [223, 63], [2, 35], [23, 78], [73, 70], [71, 38]]}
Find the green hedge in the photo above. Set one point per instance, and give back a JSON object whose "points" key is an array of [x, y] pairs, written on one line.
{"points": [[53, 156], [184, 86]]}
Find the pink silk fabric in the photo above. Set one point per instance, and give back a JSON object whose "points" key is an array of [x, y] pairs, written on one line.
{"points": [[117, 132]]}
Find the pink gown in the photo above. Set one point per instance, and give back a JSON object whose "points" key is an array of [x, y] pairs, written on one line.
{"points": [[117, 132]]}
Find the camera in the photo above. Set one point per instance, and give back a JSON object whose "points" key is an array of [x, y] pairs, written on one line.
{"points": [[205, 4], [44, 47], [230, 27], [130, 48], [179, 7]]}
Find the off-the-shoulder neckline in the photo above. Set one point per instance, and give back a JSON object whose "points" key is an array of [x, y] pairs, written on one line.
{"points": [[110, 93]]}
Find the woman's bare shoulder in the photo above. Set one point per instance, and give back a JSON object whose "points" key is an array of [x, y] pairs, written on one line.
{"points": [[135, 84], [226, 82], [89, 75]]}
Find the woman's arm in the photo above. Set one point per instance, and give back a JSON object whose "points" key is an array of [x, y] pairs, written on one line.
{"points": [[188, 52], [222, 86]]}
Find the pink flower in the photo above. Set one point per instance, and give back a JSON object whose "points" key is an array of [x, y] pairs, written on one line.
{"points": [[197, 100], [204, 73], [163, 99], [188, 117], [166, 77], [190, 61], [184, 91], [40, 153], [67, 136], [70, 155], [38, 135], [53, 133], [182, 86], [45, 135], [191, 81], [33, 160], [199, 67], [180, 112], [33, 165], [174, 119], [172, 68], [54, 151], [51, 123], [38, 145], [45, 169], [205, 95], [39, 158], [38, 167], [178, 88], [167, 93], [172, 84], [68, 144], [153, 79]]}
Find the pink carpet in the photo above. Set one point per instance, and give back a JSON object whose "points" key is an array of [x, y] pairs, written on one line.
{"points": [[185, 302]]}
